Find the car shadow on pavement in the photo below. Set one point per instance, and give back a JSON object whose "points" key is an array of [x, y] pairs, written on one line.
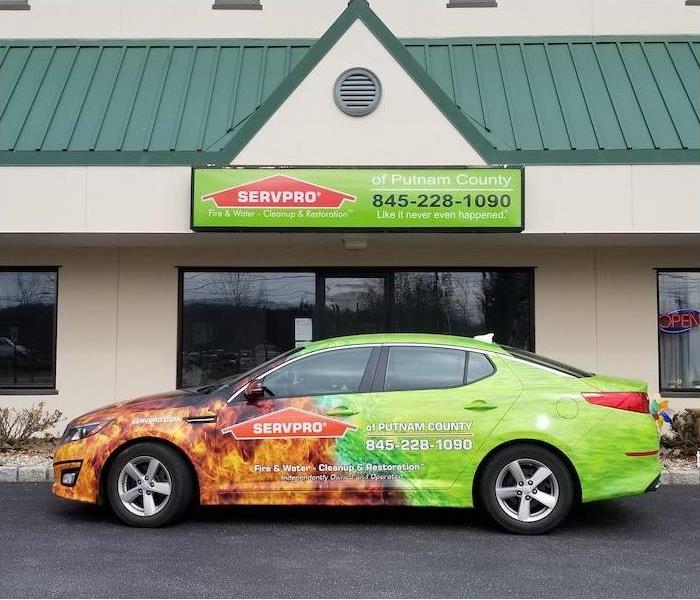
{"points": [[606, 516], [597, 517]]}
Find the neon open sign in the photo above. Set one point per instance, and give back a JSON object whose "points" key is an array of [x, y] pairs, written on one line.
{"points": [[679, 321]]}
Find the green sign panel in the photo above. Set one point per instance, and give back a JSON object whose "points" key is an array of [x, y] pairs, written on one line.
{"points": [[357, 199]]}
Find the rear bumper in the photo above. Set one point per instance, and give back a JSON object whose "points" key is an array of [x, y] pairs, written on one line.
{"points": [[654, 485]]}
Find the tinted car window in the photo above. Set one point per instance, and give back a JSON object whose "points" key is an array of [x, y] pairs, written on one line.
{"points": [[424, 368], [333, 372], [479, 367]]}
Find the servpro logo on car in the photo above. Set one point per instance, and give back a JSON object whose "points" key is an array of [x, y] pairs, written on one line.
{"points": [[289, 423], [280, 191]]}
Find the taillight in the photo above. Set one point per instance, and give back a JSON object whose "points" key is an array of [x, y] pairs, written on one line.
{"points": [[634, 401]]}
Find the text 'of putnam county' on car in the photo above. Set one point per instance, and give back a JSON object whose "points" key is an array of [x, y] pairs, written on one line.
{"points": [[386, 419]]}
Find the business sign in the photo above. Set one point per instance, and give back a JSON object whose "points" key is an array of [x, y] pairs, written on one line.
{"points": [[679, 321], [357, 199]]}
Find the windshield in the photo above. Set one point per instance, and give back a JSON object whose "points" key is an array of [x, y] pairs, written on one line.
{"points": [[548, 362], [233, 379]]}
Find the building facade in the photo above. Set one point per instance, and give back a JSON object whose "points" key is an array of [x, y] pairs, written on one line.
{"points": [[109, 289]]}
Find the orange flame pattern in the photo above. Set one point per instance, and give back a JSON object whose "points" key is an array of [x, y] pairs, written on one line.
{"points": [[225, 467]]}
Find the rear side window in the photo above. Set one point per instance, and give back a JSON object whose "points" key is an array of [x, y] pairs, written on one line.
{"points": [[550, 363], [479, 367], [333, 372], [424, 368]]}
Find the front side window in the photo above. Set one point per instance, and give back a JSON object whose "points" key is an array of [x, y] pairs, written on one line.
{"points": [[332, 372], [27, 328], [424, 368], [679, 331]]}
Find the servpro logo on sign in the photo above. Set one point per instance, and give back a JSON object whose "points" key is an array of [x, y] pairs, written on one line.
{"points": [[280, 191], [289, 423]]}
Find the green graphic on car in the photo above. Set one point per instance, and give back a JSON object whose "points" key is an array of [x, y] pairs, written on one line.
{"points": [[394, 419]]}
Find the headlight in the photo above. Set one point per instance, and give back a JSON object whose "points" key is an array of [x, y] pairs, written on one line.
{"points": [[78, 432]]}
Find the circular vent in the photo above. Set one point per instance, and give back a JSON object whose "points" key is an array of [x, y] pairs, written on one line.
{"points": [[357, 92]]}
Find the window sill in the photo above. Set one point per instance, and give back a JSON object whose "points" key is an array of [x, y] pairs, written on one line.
{"points": [[680, 394], [28, 392]]}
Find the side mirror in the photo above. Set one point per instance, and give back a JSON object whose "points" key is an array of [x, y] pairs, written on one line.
{"points": [[253, 391]]}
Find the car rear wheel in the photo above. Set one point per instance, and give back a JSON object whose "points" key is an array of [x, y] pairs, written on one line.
{"points": [[149, 485], [527, 489]]}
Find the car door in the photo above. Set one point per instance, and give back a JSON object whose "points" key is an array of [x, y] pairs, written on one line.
{"points": [[431, 409], [296, 440]]}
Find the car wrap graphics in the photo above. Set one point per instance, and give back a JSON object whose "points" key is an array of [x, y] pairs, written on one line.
{"points": [[161, 417], [385, 449], [363, 462]]}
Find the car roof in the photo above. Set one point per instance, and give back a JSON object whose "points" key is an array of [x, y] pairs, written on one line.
{"points": [[403, 338]]}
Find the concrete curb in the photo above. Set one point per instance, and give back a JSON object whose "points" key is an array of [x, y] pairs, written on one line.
{"points": [[38, 473], [25, 473]]}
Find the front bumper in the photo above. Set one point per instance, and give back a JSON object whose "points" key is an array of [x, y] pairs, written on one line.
{"points": [[84, 458]]}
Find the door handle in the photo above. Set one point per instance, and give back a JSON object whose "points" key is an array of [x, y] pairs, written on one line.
{"points": [[341, 411], [480, 405]]}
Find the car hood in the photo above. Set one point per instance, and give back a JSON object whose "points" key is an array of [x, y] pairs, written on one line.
{"points": [[155, 402]]}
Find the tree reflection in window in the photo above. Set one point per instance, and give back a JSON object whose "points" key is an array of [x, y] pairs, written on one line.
{"points": [[27, 328]]}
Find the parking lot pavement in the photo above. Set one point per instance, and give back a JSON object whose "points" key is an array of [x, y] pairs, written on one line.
{"points": [[637, 547]]}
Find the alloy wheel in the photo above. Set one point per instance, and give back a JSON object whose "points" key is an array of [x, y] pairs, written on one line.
{"points": [[527, 490], [144, 486]]}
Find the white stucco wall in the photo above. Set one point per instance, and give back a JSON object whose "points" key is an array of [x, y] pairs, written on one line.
{"points": [[637, 199], [310, 18]]}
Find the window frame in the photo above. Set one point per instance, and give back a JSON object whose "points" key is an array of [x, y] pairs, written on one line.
{"points": [[237, 5], [50, 388], [472, 4], [379, 380], [670, 392], [322, 272]]}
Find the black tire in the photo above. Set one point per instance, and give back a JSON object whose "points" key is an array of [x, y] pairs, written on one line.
{"points": [[180, 480], [530, 454]]}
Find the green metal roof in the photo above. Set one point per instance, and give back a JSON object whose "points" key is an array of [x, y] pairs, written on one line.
{"points": [[140, 96], [516, 101], [572, 94]]}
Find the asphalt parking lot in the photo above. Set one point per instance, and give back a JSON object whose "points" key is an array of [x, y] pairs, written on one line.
{"points": [[637, 547]]}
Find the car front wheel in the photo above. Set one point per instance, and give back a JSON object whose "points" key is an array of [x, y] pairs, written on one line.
{"points": [[527, 489], [149, 485]]}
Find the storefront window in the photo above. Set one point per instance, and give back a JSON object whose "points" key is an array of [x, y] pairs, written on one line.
{"points": [[466, 303], [354, 305], [679, 330], [27, 328], [233, 320]]}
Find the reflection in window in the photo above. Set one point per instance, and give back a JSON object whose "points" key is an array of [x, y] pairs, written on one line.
{"points": [[232, 321], [466, 303], [679, 330], [27, 328], [354, 305], [333, 372]]}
